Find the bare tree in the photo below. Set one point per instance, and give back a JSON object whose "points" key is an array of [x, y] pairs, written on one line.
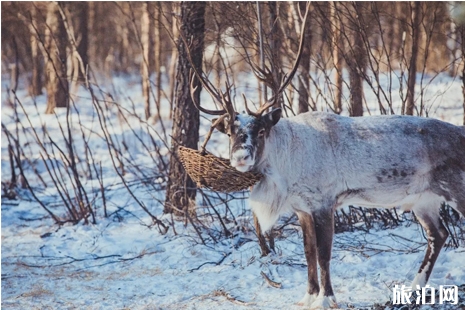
{"points": [[412, 70], [337, 60], [82, 33], [55, 46], [145, 25], [36, 79], [461, 32], [158, 52], [275, 57], [181, 190], [174, 55], [356, 60], [304, 82]]}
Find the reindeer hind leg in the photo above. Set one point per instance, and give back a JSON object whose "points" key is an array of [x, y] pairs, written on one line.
{"points": [[428, 216]]}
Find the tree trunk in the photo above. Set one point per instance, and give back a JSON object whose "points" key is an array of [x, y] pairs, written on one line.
{"points": [[275, 47], [36, 82], [262, 89], [91, 34], [145, 64], [304, 79], [357, 66], [337, 60], [157, 53], [416, 10], [174, 55], [82, 36], [181, 190], [461, 32], [55, 44]]}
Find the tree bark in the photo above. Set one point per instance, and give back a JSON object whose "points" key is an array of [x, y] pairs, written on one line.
{"points": [[416, 11], [145, 64], [181, 190], [82, 35], [461, 32], [337, 60], [157, 53], [174, 55], [55, 45], [36, 82], [276, 63], [91, 34], [357, 66], [304, 79]]}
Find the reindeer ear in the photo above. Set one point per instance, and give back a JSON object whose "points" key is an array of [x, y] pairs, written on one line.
{"points": [[221, 126], [273, 117]]}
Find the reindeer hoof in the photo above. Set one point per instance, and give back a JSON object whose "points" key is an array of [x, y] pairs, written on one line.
{"points": [[307, 300], [324, 302]]}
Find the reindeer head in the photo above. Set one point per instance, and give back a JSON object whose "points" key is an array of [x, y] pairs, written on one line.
{"points": [[247, 131], [247, 134]]}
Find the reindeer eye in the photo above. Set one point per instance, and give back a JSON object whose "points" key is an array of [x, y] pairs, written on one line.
{"points": [[261, 132]]}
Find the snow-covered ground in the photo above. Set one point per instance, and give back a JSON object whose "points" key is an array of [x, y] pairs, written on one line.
{"points": [[124, 262]]}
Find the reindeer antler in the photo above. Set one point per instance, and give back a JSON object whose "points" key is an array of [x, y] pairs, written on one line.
{"points": [[266, 76], [197, 105], [223, 98]]}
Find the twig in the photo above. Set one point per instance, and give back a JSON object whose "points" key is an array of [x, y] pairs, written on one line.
{"points": [[228, 296], [213, 263], [269, 281]]}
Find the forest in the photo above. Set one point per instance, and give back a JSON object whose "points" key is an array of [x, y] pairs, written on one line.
{"points": [[97, 99]]}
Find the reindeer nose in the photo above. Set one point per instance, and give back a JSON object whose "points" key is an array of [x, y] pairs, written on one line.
{"points": [[241, 159]]}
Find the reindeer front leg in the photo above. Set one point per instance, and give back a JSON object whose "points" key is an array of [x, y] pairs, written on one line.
{"points": [[324, 231], [308, 231]]}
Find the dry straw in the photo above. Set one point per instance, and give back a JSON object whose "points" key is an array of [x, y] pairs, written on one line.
{"points": [[215, 173]]}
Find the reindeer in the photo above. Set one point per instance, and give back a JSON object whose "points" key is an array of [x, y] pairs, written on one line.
{"points": [[316, 162]]}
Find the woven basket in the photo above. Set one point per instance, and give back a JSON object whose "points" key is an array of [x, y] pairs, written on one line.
{"points": [[215, 173]]}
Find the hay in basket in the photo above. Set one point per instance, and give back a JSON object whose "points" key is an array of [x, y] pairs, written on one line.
{"points": [[215, 173]]}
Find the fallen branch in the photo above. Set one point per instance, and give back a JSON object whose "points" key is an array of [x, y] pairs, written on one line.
{"points": [[269, 281], [214, 263], [228, 296]]}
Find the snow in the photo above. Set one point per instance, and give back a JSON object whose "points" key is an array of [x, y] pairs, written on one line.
{"points": [[123, 261]]}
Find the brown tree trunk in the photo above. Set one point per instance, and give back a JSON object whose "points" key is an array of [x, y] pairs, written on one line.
{"points": [[262, 89], [416, 11], [122, 63], [304, 78], [91, 34], [337, 60], [174, 55], [274, 47], [36, 82], [55, 45], [461, 32], [157, 53], [357, 66], [145, 64], [82, 35], [181, 190]]}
